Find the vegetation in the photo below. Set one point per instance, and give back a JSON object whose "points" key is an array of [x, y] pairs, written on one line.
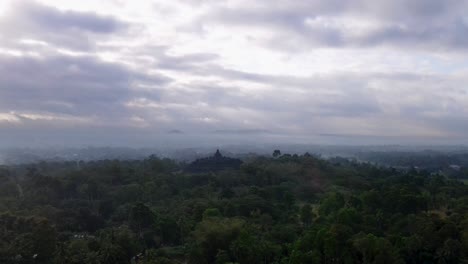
{"points": [[452, 164], [285, 209]]}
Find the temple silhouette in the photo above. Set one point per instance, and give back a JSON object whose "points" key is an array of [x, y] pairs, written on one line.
{"points": [[217, 162]]}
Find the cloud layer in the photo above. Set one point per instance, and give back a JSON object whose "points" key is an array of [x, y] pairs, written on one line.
{"points": [[106, 72]]}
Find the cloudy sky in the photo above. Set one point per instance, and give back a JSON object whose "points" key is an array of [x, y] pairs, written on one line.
{"points": [[135, 72]]}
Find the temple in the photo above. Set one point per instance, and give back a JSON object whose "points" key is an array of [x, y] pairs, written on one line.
{"points": [[217, 162]]}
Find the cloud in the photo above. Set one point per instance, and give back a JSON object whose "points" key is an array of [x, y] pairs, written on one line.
{"points": [[65, 29], [353, 23], [183, 62], [147, 72], [175, 131], [79, 86], [49, 18], [242, 131]]}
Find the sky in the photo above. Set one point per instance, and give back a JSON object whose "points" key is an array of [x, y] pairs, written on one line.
{"points": [[144, 72]]}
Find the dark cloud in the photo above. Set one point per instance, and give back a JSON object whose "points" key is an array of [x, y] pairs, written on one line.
{"points": [[287, 13], [419, 24], [69, 85], [242, 131], [344, 106], [64, 29], [49, 18], [81, 87]]}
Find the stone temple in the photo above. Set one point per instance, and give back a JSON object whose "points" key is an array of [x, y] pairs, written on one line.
{"points": [[217, 162]]}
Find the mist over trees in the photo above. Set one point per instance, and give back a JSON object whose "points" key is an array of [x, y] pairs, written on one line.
{"points": [[279, 209]]}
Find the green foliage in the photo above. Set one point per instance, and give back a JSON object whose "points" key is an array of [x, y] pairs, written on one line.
{"points": [[306, 214], [212, 235], [331, 202], [375, 250], [283, 209], [211, 212]]}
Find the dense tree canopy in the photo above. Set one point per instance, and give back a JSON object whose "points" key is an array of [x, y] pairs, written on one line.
{"points": [[284, 209]]}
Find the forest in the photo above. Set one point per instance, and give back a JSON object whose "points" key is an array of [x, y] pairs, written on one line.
{"points": [[283, 209]]}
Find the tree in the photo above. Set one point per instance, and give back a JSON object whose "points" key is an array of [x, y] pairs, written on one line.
{"points": [[211, 212], [248, 248], [306, 214], [141, 217], [450, 252], [212, 235], [39, 244], [276, 153], [366, 214], [332, 202], [376, 250]]}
